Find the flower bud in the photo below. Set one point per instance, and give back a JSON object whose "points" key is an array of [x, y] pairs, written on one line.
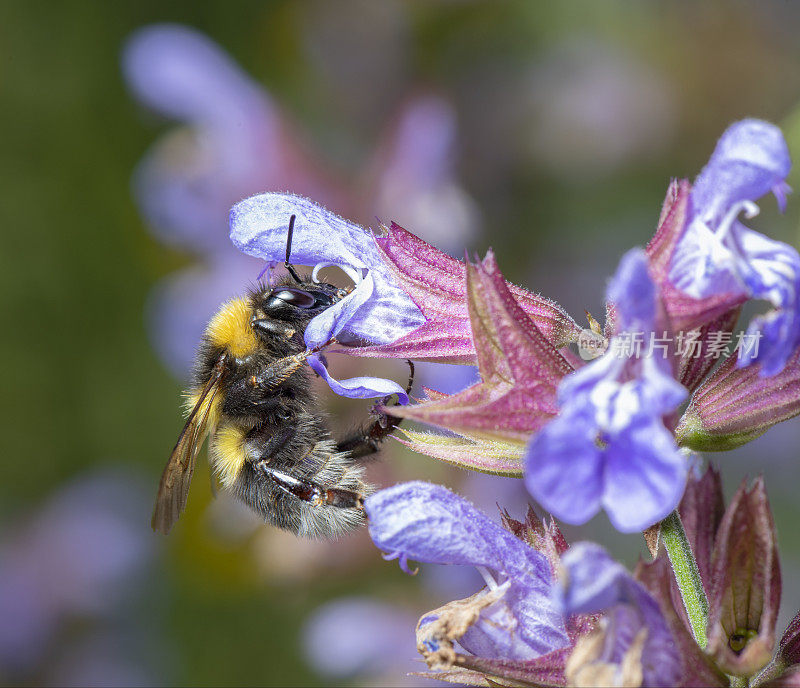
{"points": [[736, 405]]}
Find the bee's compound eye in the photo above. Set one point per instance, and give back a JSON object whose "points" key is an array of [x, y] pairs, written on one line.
{"points": [[298, 298]]}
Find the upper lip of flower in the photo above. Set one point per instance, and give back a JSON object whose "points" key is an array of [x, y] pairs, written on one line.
{"points": [[377, 310]]}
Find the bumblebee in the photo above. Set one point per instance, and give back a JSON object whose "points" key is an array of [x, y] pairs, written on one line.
{"points": [[269, 444]]}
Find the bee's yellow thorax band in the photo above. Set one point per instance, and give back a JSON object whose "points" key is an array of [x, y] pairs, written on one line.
{"points": [[230, 328]]}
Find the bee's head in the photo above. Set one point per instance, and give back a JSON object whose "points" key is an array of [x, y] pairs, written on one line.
{"points": [[296, 302]]}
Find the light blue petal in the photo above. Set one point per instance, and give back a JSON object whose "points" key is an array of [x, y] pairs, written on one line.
{"points": [[576, 387], [633, 293], [593, 581], [703, 265], [660, 393], [333, 320], [645, 475], [564, 466], [771, 341], [431, 524], [750, 160], [520, 625], [358, 387], [772, 273]]}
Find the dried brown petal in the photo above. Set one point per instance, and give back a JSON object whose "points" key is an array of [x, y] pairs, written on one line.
{"points": [[585, 668]]}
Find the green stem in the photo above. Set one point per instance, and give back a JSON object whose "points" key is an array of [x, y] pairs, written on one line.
{"points": [[686, 574]]}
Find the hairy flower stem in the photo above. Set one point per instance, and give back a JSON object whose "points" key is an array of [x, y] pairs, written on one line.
{"points": [[686, 574]]}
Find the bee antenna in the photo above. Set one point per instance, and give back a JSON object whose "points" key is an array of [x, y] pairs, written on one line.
{"points": [[286, 263]]}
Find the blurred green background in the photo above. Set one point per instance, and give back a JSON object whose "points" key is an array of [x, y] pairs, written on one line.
{"points": [[572, 117]]}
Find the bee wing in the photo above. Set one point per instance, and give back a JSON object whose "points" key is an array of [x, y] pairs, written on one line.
{"points": [[177, 476]]}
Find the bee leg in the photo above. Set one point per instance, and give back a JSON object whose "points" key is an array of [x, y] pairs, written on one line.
{"points": [[369, 439], [277, 373], [274, 375], [309, 491]]}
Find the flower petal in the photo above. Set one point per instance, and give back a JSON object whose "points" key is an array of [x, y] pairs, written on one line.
{"points": [[333, 320], [259, 227], [751, 159], [644, 478], [512, 629], [633, 293], [358, 387], [563, 467], [429, 523], [771, 273]]}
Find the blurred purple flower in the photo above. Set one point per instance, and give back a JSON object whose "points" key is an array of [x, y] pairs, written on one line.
{"points": [[359, 636], [608, 447], [635, 636], [717, 254], [104, 660], [515, 618], [79, 555], [416, 185], [237, 144]]}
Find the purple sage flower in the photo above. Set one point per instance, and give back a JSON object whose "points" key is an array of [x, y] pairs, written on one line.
{"points": [[608, 447], [377, 310], [81, 555], [717, 254], [515, 617], [632, 623]]}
